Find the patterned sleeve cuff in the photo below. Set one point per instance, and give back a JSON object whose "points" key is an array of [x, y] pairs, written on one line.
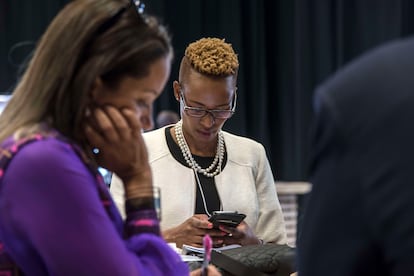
{"points": [[142, 221]]}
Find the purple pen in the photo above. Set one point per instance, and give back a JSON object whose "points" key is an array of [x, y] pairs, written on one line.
{"points": [[208, 245]]}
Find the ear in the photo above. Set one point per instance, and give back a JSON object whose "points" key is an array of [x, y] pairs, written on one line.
{"points": [[177, 90], [97, 86]]}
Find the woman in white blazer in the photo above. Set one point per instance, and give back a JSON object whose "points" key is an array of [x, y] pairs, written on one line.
{"points": [[200, 168]]}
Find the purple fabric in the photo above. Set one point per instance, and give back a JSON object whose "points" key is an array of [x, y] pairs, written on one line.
{"points": [[52, 221]]}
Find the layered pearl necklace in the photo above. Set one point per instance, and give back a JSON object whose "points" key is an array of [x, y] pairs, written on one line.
{"points": [[189, 157]]}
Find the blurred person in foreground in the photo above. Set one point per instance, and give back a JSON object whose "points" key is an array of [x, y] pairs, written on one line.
{"points": [[166, 117], [200, 168], [82, 103], [359, 219]]}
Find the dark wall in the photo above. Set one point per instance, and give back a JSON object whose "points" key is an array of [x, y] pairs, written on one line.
{"points": [[285, 47], [21, 24]]}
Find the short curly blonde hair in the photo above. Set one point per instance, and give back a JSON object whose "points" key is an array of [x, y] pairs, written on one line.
{"points": [[212, 56]]}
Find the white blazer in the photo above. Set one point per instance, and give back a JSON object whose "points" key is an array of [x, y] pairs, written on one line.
{"points": [[246, 185]]}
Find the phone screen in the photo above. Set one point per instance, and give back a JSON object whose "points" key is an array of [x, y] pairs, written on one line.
{"points": [[226, 218]]}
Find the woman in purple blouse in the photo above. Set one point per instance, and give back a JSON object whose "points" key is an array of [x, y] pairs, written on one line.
{"points": [[82, 103]]}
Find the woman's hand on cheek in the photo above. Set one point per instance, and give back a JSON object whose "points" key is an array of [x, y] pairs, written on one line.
{"points": [[117, 135]]}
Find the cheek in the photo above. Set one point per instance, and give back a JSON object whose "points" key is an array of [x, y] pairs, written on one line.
{"points": [[121, 103], [116, 101], [221, 122]]}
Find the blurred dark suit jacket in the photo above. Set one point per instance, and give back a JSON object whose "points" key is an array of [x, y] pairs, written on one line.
{"points": [[359, 218]]}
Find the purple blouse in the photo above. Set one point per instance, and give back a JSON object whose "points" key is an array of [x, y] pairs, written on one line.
{"points": [[53, 220]]}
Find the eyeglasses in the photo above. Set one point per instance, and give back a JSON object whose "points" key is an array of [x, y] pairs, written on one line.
{"points": [[198, 112], [137, 4]]}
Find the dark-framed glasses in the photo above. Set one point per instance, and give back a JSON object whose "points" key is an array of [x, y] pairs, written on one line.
{"points": [[199, 112]]}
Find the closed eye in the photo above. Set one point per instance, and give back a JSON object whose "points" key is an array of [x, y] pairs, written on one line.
{"points": [[143, 104]]}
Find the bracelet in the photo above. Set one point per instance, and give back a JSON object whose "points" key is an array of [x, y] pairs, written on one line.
{"points": [[139, 203], [141, 221]]}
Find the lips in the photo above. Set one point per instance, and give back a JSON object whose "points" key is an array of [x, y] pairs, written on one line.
{"points": [[205, 133]]}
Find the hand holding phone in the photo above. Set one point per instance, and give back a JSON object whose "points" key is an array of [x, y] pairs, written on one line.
{"points": [[226, 218]]}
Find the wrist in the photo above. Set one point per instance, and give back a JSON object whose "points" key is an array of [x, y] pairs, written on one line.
{"points": [[130, 176], [170, 237], [138, 186], [139, 203]]}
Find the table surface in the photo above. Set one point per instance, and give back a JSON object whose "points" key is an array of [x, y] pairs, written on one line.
{"points": [[293, 187]]}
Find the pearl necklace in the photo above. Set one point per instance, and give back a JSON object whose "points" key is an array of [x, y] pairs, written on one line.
{"points": [[189, 157]]}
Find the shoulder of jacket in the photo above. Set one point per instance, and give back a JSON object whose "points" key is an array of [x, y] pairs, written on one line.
{"points": [[156, 143], [238, 141]]}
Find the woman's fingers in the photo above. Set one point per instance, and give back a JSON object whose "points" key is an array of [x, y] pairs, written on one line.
{"points": [[132, 119], [94, 137], [117, 135], [116, 126]]}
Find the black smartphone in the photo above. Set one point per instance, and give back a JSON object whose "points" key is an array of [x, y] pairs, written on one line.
{"points": [[226, 218]]}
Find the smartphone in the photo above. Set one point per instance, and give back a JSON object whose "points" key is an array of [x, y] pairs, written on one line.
{"points": [[226, 218]]}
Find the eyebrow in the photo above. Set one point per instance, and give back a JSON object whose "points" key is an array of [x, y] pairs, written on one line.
{"points": [[203, 105]]}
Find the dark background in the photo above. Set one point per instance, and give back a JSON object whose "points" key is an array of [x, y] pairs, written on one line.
{"points": [[285, 47]]}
